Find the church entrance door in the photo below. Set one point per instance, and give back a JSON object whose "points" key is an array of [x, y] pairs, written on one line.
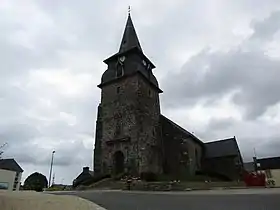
{"points": [[118, 162]]}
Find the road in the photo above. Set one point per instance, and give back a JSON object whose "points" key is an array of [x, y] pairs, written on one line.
{"points": [[255, 199]]}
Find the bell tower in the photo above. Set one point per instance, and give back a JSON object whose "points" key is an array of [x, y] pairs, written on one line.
{"points": [[128, 132]]}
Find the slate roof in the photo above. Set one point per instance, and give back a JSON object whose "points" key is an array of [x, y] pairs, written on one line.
{"points": [[222, 148], [10, 164], [269, 163], [163, 118], [129, 45], [130, 38]]}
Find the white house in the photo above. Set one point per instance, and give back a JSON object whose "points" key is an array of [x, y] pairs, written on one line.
{"points": [[10, 175]]}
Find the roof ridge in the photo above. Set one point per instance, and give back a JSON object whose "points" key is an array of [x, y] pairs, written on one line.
{"points": [[221, 140], [183, 129], [10, 164]]}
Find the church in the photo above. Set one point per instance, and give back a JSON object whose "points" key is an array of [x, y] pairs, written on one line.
{"points": [[133, 136]]}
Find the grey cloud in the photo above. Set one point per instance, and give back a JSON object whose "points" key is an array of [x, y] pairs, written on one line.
{"points": [[18, 133], [67, 153], [211, 75], [264, 147], [221, 124], [263, 141], [267, 28]]}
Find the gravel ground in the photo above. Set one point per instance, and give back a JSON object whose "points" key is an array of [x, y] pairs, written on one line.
{"points": [[27, 200]]}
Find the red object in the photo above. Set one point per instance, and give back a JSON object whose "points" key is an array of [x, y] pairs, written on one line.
{"points": [[254, 179]]}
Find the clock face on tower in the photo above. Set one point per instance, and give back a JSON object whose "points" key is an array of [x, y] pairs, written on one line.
{"points": [[144, 63], [122, 59]]}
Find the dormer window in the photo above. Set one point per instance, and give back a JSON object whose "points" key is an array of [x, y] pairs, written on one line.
{"points": [[120, 66]]}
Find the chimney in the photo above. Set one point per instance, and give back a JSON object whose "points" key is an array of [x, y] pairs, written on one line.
{"points": [[85, 169]]}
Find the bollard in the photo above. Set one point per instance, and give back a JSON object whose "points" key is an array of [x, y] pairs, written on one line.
{"points": [[128, 183]]}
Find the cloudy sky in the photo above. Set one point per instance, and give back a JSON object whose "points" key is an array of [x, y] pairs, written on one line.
{"points": [[217, 62]]}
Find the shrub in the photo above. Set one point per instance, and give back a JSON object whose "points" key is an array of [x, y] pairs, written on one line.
{"points": [[36, 181]]}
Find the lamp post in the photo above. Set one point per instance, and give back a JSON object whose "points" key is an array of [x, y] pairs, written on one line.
{"points": [[50, 177]]}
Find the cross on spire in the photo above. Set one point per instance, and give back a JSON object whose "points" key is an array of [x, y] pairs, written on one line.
{"points": [[129, 10]]}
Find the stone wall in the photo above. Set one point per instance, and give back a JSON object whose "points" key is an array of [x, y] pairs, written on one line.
{"points": [[182, 152], [149, 127], [224, 166], [130, 124], [182, 186]]}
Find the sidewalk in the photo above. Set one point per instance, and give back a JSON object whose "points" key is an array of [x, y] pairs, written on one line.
{"points": [[22, 200]]}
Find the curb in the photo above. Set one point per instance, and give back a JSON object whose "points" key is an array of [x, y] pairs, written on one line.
{"points": [[203, 189]]}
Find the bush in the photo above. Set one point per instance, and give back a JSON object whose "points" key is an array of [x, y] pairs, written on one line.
{"points": [[36, 181], [148, 176]]}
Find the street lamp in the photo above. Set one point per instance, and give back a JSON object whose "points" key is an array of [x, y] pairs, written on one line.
{"points": [[50, 177]]}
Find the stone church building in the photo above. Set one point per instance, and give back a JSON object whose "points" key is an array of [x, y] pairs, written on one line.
{"points": [[132, 135]]}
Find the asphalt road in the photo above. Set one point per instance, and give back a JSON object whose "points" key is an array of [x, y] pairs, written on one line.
{"points": [[264, 199]]}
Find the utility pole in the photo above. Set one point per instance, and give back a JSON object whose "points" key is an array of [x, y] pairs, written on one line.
{"points": [[53, 179], [50, 177]]}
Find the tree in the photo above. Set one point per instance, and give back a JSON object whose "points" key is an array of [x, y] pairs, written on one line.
{"points": [[36, 181]]}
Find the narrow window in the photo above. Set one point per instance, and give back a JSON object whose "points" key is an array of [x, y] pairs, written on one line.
{"points": [[119, 70], [150, 93], [197, 159], [141, 126], [104, 167], [118, 89], [118, 129]]}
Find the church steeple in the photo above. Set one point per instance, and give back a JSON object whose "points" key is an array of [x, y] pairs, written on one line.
{"points": [[129, 60], [130, 39]]}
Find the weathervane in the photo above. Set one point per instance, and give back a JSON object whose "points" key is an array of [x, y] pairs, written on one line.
{"points": [[129, 10]]}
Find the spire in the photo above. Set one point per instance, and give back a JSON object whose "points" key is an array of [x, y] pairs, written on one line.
{"points": [[130, 39]]}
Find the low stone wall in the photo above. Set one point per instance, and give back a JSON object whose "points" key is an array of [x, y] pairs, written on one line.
{"points": [[181, 186], [24, 200]]}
